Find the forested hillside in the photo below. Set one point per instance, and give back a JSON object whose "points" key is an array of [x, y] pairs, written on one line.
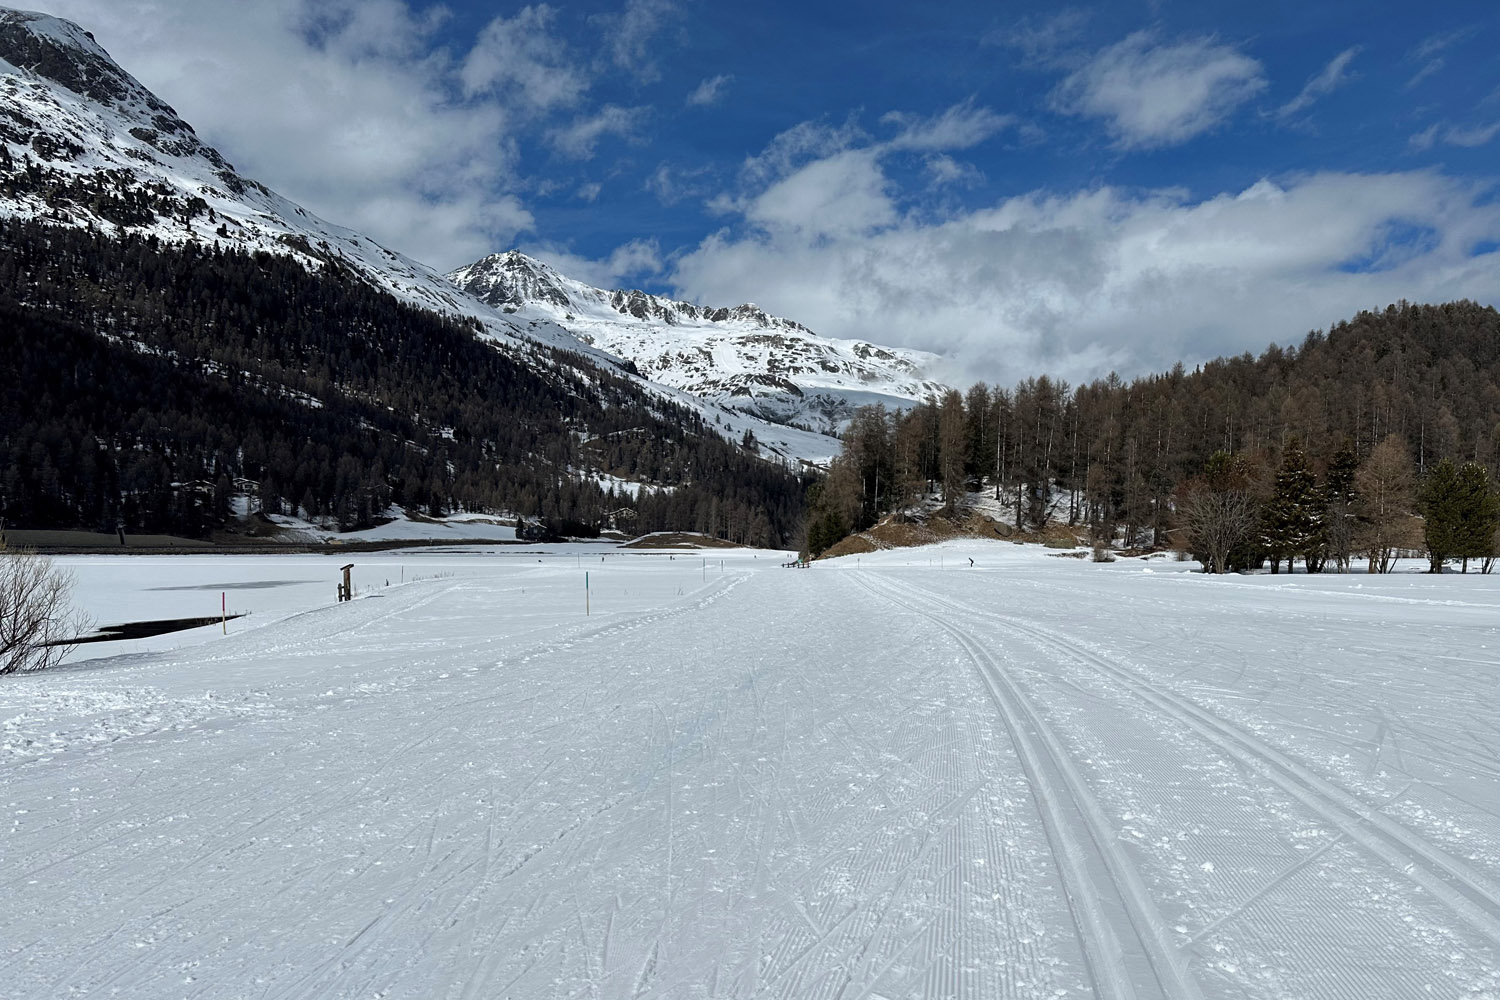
{"points": [[143, 379], [1111, 455]]}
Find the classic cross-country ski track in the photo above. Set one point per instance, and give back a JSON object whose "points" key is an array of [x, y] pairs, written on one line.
{"points": [[887, 776], [1120, 934]]}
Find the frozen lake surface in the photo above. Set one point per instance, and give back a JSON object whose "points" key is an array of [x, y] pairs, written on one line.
{"points": [[891, 776]]}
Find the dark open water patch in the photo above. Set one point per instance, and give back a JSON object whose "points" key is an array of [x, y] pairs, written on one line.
{"points": [[246, 585], [144, 630]]}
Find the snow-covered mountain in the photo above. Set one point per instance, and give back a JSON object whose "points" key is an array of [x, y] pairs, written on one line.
{"points": [[739, 357], [86, 144], [83, 143]]}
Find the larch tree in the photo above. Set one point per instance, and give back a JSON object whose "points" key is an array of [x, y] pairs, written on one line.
{"points": [[952, 447], [1339, 517], [1384, 496]]}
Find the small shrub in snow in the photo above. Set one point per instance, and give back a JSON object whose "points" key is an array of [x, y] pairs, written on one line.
{"points": [[1102, 553], [37, 617]]}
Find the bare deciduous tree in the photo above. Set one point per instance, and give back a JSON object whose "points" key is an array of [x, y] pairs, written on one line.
{"points": [[1387, 493], [37, 617], [1217, 521]]}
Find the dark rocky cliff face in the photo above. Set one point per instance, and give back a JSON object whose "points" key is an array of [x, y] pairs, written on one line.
{"points": [[66, 54], [61, 52]]}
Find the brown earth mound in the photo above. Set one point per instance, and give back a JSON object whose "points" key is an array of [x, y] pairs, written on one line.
{"points": [[902, 534]]}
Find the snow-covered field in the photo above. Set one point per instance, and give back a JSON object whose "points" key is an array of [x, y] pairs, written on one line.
{"points": [[887, 776]]}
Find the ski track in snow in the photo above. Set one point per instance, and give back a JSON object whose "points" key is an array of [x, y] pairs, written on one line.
{"points": [[877, 778]]}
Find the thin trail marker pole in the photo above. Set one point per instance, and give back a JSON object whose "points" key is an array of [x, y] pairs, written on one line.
{"points": [[224, 611], [705, 570], [586, 609]]}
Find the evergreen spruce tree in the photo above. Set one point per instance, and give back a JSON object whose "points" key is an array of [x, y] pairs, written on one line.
{"points": [[1478, 513], [1442, 510], [1292, 520]]}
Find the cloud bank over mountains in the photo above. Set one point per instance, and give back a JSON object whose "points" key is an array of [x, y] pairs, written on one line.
{"points": [[1089, 194], [1089, 281]]}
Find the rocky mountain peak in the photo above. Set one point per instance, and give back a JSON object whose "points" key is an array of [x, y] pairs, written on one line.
{"points": [[51, 52], [740, 357], [60, 51], [511, 279]]}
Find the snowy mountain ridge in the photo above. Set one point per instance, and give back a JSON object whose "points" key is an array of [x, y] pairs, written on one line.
{"points": [[97, 148], [85, 144], [740, 357]]}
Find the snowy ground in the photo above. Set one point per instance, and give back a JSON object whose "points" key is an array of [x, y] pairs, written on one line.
{"points": [[887, 776]]}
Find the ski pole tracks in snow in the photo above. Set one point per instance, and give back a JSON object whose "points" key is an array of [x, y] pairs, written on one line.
{"points": [[1123, 938]]}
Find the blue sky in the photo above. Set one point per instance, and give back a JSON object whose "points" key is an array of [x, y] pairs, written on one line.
{"points": [[1021, 189]]}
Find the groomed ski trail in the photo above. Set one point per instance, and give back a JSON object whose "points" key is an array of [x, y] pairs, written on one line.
{"points": [[1123, 937]]}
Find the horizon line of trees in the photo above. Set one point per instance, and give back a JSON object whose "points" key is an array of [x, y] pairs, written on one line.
{"points": [[1113, 458]]}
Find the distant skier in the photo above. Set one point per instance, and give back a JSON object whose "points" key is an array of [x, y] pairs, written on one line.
{"points": [[971, 562]]}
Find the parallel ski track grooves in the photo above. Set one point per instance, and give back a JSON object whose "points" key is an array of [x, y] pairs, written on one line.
{"points": [[1120, 932], [1472, 895]]}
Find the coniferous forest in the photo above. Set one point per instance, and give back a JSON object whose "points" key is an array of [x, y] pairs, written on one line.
{"points": [[150, 383], [147, 383], [1381, 435]]}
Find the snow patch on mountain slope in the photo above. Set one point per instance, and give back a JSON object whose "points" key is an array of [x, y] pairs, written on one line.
{"points": [[740, 357]]}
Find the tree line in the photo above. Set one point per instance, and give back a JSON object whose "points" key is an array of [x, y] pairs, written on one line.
{"points": [[1128, 462], [143, 379]]}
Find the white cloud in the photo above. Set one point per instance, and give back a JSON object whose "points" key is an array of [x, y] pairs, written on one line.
{"points": [[635, 259], [589, 191], [1478, 135], [960, 127], [578, 138], [1043, 41], [1424, 139], [631, 33], [519, 58], [1453, 135], [944, 170], [1081, 283], [1152, 95], [1430, 54], [345, 106], [798, 144], [1334, 75], [844, 195], [673, 184], [710, 91]]}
